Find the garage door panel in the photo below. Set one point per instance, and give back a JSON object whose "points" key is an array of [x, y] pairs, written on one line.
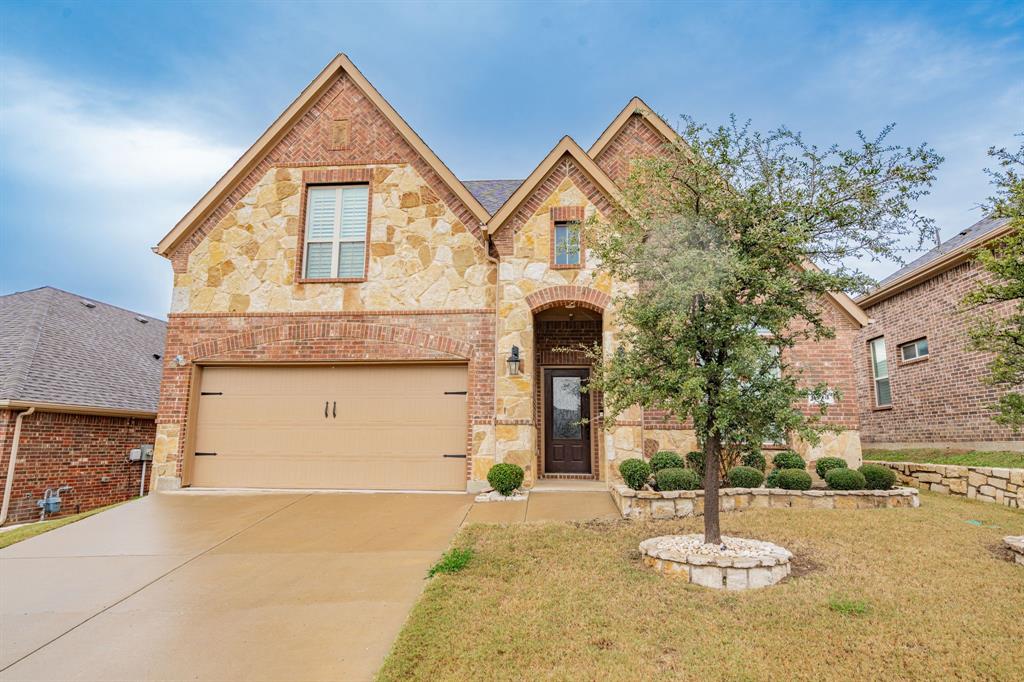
{"points": [[394, 425]]}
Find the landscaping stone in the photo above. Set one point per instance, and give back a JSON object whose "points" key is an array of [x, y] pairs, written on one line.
{"points": [[1016, 545], [495, 496], [988, 484], [736, 564]]}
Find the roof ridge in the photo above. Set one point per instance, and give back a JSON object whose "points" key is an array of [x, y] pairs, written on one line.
{"points": [[91, 299]]}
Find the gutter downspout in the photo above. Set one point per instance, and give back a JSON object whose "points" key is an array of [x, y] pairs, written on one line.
{"points": [[11, 463]]}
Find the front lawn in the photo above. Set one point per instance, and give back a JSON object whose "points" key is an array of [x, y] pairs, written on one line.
{"points": [[30, 530], [976, 458], [876, 594]]}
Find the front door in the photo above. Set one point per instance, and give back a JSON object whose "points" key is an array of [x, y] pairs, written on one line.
{"points": [[566, 441]]}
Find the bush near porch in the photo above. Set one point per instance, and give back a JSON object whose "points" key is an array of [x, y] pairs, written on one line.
{"points": [[573, 601]]}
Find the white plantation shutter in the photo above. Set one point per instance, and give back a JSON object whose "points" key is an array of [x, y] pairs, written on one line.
{"points": [[336, 231]]}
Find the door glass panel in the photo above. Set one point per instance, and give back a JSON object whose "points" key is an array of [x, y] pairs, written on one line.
{"points": [[565, 402]]}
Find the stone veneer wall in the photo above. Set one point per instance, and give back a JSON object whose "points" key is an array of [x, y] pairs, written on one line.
{"points": [[988, 484], [647, 504]]}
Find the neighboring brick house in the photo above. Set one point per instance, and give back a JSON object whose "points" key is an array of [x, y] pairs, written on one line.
{"points": [[921, 383], [349, 314], [83, 379]]}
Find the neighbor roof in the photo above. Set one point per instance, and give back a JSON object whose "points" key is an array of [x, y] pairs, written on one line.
{"points": [[58, 348], [492, 193], [944, 256]]}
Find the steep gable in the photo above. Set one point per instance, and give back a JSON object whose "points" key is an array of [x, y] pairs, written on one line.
{"points": [[634, 133]]}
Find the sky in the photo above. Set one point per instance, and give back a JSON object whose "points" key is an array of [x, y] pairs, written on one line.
{"points": [[115, 118]]}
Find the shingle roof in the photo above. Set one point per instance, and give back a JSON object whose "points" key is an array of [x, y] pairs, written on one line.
{"points": [[492, 193], [55, 349], [978, 229]]}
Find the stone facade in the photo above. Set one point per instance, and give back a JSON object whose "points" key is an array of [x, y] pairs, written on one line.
{"points": [[87, 452], [987, 484], [649, 504], [942, 400]]}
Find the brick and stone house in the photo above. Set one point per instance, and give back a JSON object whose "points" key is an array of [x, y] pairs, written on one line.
{"points": [[921, 384], [79, 382], [349, 314]]}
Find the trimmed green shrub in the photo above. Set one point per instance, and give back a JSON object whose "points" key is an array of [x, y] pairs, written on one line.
{"points": [[772, 480], [826, 464], [666, 459], [695, 461], [452, 561], [794, 479], [755, 460], [878, 477], [787, 459], [845, 479], [505, 477], [635, 472], [745, 477], [677, 479]]}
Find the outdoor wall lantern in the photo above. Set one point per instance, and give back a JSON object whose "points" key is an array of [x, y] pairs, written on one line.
{"points": [[514, 361]]}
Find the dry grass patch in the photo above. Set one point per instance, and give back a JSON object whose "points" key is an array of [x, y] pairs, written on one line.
{"points": [[974, 458], [884, 594]]}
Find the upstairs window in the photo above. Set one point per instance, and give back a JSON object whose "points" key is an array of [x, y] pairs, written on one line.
{"points": [[880, 370], [914, 350], [336, 225], [567, 242]]}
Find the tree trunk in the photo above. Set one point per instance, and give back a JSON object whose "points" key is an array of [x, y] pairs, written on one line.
{"points": [[712, 454]]}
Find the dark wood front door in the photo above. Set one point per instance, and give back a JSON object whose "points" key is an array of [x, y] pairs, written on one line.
{"points": [[566, 441]]}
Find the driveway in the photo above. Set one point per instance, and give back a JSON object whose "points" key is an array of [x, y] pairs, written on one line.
{"points": [[221, 587]]}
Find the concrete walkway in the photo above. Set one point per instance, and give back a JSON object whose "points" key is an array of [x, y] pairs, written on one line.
{"points": [[235, 586]]}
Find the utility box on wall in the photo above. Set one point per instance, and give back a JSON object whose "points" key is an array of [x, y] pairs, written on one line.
{"points": [[143, 453]]}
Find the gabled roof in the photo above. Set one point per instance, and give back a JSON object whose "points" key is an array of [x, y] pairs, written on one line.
{"points": [[946, 255], [58, 348], [635, 106], [492, 193], [565, 146], [280, 127]]}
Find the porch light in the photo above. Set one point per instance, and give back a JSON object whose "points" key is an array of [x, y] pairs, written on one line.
{"points": [[514, 361]]}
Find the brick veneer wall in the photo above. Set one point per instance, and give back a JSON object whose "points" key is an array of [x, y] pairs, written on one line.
{"points": [[941, 400], [636, 139], [87, 452], [466, 336]]}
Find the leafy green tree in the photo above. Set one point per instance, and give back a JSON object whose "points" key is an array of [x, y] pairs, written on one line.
{"points": [[717, 239], [1003, 258]]}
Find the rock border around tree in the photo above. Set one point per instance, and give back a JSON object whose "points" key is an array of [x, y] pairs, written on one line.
{"points": [[737, 564]]}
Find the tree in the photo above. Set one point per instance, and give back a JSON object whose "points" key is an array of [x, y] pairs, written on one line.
{"points": [[1003, 259], [717, 239]]}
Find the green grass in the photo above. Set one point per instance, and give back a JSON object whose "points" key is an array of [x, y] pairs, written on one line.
{"points": [[30, 530], [976, 458], [453, 561], [875, 594]]}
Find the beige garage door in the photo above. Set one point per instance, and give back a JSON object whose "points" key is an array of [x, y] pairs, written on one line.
{"points": [[389, 427]]}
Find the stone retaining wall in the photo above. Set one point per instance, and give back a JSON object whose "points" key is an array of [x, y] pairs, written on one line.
{"points": [[988, 484], [647, 504]]}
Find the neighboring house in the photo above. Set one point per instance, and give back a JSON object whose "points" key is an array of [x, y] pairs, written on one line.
{"points": [[82, 378], [921, 383], [349, 314]]}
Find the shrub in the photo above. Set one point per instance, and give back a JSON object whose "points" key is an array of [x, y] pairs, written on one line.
{"points": [[452, 561], [677, 479], [845, 479], [878, 477], [755, 460], [826, 464], [745, 477], [695, 461], [505, 477], [787, 459], [635, 473], [666, 459], [772, 480], [794, 479]]}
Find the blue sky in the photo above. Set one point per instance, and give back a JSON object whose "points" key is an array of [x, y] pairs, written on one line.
{"points": [[116, 117]]}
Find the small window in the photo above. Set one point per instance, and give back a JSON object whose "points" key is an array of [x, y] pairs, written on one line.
{"points": [[914, 350], [880, 370], [336, 232], [567, 243]]}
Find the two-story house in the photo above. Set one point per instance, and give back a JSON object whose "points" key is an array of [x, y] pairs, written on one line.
{"points": [[347, 313]]}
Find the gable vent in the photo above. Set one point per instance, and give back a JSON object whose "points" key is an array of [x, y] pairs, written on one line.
{"points": [[87, 304]]}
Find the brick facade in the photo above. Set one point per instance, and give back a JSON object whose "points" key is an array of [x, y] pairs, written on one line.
{"points": [[636, 139], [87, 452], [940, 401]]}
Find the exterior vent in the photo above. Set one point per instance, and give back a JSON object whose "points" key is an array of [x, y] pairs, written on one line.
{"points": [[87, 304], [140, 318], [156, 356]]}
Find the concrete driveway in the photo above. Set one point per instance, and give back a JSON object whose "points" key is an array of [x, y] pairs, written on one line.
{"points": [[221, 587]]}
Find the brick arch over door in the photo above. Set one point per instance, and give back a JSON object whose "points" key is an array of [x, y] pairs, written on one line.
{"points": [[433, 346], [552, 297]]}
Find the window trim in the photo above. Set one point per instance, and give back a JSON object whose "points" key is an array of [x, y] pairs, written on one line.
{"points": [[874, 376], [567, 214], [917, 358], [332, 178]]}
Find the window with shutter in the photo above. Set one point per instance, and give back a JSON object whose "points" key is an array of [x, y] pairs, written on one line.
{"points": [[336, 218]]}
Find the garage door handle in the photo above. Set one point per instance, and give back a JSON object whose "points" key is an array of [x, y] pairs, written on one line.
{"points": [[455, 456], [325, 408], [334, 409]]}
